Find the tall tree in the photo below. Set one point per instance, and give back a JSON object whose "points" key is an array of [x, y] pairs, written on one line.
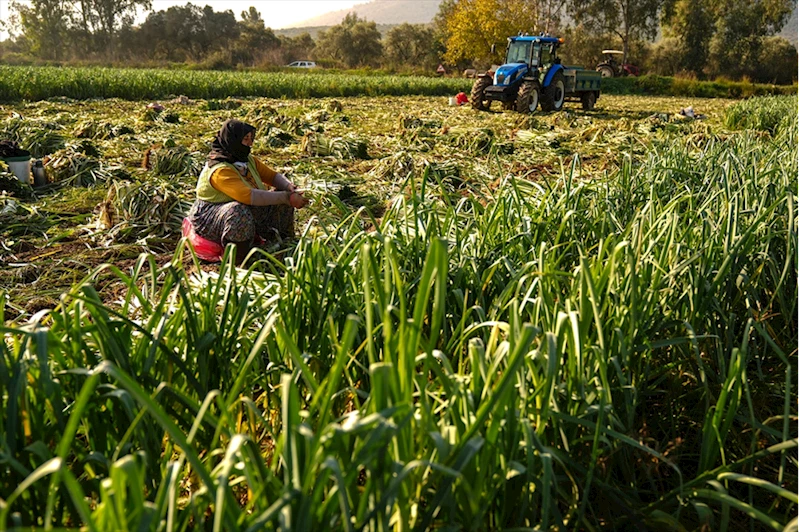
{"points": [[690, 26], [472, 26], [723, 36], [44, 24], [296, 48], [410, 45], [255, 39], [104, 18], [188, 32], [630, 20], [354, 42]]}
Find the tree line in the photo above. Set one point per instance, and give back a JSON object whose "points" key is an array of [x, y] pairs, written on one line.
{"points": [[696, 38]]}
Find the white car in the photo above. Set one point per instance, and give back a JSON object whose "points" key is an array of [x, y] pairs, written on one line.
{"points": [[303, 64]]}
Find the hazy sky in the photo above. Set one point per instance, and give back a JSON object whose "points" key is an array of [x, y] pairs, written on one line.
{"points": [[276, 13]]}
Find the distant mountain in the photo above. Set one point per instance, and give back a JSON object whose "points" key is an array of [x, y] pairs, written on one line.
{"points": [[790, 29], [314, 31], [389, 12]]}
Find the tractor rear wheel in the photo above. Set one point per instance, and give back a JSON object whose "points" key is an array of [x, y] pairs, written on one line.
{"points": [[606, 71], [528, 97], [478, 98], [589, 100], [555, 94]]}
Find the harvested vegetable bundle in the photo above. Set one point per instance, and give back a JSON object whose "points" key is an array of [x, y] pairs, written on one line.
{"points": [[157, 114], [71, 166], [296, 125], [37, 136], [222, 105], [317, 116], [473, 140], [260, 111], [85, 146], [89, 129], [340, 147], [142, 209], [394, 169], [447, 174], [173, 161], [276, 138], [420, 139], [414, 122]]}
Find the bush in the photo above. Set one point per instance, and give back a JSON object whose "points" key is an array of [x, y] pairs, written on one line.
{"points": [[663, 58], [777, 62], [669, 86]]}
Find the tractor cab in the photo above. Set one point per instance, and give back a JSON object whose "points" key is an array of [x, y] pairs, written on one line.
{"points": [[525, 53]]}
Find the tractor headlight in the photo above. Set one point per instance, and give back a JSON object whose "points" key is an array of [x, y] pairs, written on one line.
{"points": [[500, 79]]}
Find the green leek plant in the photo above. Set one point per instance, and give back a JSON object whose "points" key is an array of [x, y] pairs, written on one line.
{"points": [[566, 354]]}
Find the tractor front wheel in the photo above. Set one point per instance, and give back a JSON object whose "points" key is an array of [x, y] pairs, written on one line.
{"points": [[555, 94], [478, 98], [589, 100], [528, 96]]}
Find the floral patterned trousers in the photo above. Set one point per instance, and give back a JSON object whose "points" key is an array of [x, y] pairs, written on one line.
{"points": [[235, 222]]}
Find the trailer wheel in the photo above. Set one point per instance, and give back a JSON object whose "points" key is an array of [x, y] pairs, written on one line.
{"points": [[477, 98], [555, 94], [589, 100], [528, 97]]}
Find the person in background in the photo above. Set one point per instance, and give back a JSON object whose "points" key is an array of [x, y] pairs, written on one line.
{"points": [[235, 203]]}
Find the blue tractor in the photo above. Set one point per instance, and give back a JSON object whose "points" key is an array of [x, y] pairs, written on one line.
{"points": [[533, 75]]}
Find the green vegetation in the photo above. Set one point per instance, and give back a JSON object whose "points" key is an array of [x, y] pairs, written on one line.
{"points": [[669, 86], [763, 114], [41, 83], [583, 320]]}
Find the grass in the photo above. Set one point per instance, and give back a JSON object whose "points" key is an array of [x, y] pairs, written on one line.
{"points": [[605, 343]]}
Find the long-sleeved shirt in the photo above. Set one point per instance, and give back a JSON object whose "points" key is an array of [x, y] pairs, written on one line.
{"points": [[228, 181]]}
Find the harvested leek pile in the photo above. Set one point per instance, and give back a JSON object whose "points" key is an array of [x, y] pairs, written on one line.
{"points": [[40, 137], [174, 161], [276, 138], [472, 140], [348, 147], [142, 211], [74, 167], [89, 129], [229, 104]]}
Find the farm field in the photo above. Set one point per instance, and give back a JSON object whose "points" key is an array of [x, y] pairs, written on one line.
{"points": [[576, 320], [35, 83]]}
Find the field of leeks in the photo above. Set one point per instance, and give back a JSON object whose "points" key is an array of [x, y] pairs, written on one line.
{"points": [[564, 354]]}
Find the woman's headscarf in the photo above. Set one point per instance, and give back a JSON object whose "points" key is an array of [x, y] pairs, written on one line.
{"points": [[227, 146]]}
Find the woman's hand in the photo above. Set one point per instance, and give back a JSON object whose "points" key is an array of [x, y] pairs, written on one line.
{"points": [[296, 199]]}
